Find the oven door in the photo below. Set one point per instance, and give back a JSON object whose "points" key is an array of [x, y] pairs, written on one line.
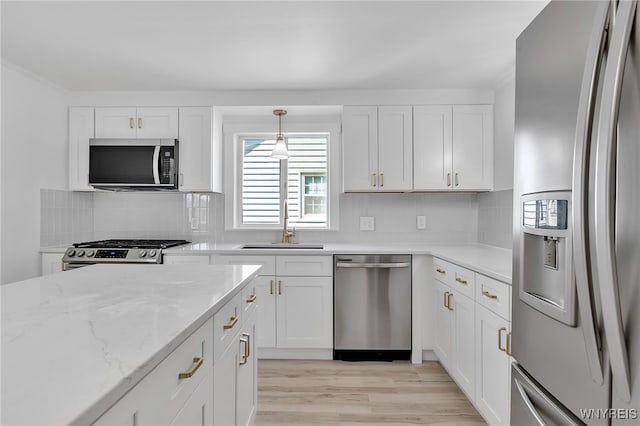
{"points": [[144, 163]]}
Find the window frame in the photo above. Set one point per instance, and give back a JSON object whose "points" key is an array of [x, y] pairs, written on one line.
{"points": [[304, 126]]}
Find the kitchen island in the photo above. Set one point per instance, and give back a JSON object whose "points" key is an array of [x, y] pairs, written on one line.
{"points": [[75, 343]]}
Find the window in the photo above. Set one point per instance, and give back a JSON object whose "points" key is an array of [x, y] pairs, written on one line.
{"points": [[266, 183]]}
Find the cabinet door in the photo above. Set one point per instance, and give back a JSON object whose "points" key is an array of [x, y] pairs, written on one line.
{"points": [[81, 125], [473, 147], [157, 122], [116, 123], [442, 341], [432, 165], [360, 148], [305, 312], [463, 342], [266, 296], [198, 410], [493, 372], [51, 263], [247, 397], [196, 143], [395, 148], [225, 370]]}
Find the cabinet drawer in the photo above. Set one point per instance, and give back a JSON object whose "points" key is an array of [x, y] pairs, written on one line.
{"points": [[159, 396], [443, 271], [317, 266], [268, 262], [226, 323], [464, 281], [249, 299], [493, 295]]}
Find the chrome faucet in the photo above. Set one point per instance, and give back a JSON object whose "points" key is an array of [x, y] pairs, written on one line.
{"points": [[286, 234]]}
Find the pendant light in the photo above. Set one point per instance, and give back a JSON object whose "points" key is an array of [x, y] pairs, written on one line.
{"points": [[280, 150]]}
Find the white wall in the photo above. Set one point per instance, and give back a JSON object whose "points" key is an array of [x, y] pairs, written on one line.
{"points": [[34, 156], [504, 121]]}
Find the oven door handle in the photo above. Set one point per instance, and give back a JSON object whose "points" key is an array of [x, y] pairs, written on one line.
{"points": [[156, 165]]}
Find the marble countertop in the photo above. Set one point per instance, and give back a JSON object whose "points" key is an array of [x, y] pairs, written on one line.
{"points": [[494, 262], [74, 342]]}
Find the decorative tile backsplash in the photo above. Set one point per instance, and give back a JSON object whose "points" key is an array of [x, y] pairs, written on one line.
{"points": [[65, 217], [495, 218]]}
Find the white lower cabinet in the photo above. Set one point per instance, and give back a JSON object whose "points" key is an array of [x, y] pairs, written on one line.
{"points": [[51, 263], [247, 389], [225, 375], [198, 410], [472, 336]]}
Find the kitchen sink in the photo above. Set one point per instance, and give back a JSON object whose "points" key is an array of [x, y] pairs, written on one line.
{"points": [[298, 246]]}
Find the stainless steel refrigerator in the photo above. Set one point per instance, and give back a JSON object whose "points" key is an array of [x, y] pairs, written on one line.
{"points": [[576, 263]]}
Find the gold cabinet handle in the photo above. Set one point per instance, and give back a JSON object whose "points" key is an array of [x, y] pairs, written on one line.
{"points": [[373, 180], [251, 298], [139, 123], [244, 357], [485, 293], [270, 286], [448, 179], [441, 271], [381, 180], [461, 281], [508, 349], [248, 337], [181, 179], [500, 348], [232, 321], [446, 297], [197, 362], [457, 180], [131, 122], [279, 287], [449, 301]]}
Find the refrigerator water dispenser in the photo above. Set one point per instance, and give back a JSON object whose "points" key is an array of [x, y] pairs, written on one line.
{"points": [[547, 281]]}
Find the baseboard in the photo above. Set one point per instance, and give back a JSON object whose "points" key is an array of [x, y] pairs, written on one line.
{"points": [[275, 353], [429, 355]]}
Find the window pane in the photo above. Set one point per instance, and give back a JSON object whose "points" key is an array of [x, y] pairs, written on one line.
{"points": [[307, 180], [260, 183]]}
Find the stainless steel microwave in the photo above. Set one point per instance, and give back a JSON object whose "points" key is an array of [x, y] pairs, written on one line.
{"points": [[143, 164]]}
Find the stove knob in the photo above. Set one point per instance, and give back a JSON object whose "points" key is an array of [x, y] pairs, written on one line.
{"points": [[142, 253], [80, 253], [152, 253], [90, 253], [71, 252]]}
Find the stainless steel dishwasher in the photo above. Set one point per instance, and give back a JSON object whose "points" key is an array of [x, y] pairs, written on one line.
{"points": [[372, 307]]}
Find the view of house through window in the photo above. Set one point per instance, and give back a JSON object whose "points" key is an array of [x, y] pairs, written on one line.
{"points": [[302, 179]]}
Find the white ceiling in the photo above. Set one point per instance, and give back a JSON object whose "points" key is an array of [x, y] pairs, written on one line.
{"points": [[297, 45]]}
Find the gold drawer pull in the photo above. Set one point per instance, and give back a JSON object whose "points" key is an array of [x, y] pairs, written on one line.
{"points": [[270, 286], [139, 123], [373, 179], [500, 348], [279, 287], [197, 362], [441, 271], [248, 337], [508, 348], [489, 295], [448, 179], [244, 357], [232, 321], [449, 296], [446, 298], [252, 298], [131, 122], [381, 179], [461, 281]]}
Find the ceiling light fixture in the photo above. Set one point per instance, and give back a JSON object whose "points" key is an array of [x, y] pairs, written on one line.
{"points": [[280, 150]]}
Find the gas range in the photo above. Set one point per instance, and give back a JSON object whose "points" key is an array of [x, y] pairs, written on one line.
{"points": [[116, 251]]}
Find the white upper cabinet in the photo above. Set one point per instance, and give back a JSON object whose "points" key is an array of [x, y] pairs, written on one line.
{"points": [[81, 125], [377, 148], [132, 123], [473, 147], [453, 148], [200, 150]]}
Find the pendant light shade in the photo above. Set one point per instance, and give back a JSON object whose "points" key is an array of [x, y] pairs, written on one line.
{"points": [[280, 150]]}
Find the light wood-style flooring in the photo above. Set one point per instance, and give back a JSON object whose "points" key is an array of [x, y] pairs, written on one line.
{"points": [[295, 392]]}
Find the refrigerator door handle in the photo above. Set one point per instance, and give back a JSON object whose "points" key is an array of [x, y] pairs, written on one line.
{"points": [[584, 286], [528, 403], [605, 198]]}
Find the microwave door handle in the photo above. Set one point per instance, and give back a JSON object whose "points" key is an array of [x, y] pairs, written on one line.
{"points": [[604, 199], [156, 165]]}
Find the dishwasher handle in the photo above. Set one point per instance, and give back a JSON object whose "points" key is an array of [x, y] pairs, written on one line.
{"points": [[373, 265]]}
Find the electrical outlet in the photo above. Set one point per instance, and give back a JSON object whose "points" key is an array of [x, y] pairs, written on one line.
{"points": [[421, 222], [367, 223]]}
